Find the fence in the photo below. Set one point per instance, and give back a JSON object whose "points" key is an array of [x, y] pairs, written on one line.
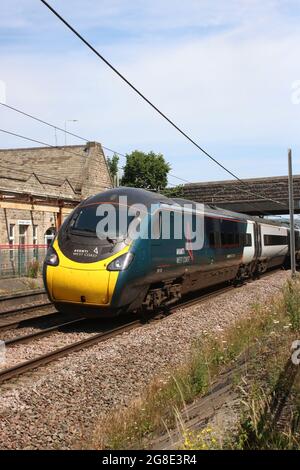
{"points": [[21, 260]]}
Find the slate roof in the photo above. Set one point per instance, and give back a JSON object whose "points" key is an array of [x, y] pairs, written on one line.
{"points": [[70, 172]]}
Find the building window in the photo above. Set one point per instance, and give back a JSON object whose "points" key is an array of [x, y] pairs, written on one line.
{"points": [[35, 239], [22, 235], [35, 234], [49, 236], [11, 241]]}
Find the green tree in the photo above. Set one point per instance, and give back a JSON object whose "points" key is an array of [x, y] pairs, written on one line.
{"points": [[177, 191], [146, 170], [113, 166]]}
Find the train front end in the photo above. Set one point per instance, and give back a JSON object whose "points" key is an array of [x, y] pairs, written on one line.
{"points": [[83, 266]]}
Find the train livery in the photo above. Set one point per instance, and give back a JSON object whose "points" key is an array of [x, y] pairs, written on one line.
{"points": [[104, 273]]}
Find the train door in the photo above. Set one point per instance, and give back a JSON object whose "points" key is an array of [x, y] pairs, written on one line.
{"points": [[163, 245], [257, 241], [213, 252], [249, 244]]}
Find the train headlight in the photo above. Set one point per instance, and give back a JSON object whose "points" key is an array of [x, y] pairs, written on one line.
{"points": [[52, 257], [121, 263]]}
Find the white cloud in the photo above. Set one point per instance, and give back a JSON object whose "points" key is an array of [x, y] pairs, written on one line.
{"points": [[230, 89]]}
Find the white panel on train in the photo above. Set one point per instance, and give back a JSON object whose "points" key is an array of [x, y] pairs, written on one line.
{"points": [[274, 241], [249, 249]]}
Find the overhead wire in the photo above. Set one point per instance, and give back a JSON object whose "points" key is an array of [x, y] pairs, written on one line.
{"points": [[147, 100]]}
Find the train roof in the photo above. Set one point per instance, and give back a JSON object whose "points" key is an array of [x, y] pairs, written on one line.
{"points": [[225, 212], [142, 196], [134, 196]]}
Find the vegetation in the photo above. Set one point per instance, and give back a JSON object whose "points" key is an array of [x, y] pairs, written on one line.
{"points": [[177, 191], [33, 269], [271, 415], [257, 336], [113, 166], [146, 170]]}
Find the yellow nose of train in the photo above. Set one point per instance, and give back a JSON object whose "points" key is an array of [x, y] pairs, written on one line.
{"points": [[88, 283]]}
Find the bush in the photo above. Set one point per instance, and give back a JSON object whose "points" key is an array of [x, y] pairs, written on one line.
{"points": [[33, 269], [292, 304]]}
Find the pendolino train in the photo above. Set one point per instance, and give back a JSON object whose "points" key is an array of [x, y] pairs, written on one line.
{"points": [[93, 270]]}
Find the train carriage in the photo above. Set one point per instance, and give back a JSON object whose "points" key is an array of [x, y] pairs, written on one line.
{"points": [[91, 268]]}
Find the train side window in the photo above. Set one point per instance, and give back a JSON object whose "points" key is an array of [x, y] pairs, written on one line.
{"points": [[272, 240], [230, 240], [297, 241], [245, 239], [248, 239], [213, 239], [224, 239], [227, 238], [156, 227]]}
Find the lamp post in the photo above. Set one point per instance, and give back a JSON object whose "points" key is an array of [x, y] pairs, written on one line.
{"points": [[291, 210], [68, 120]]}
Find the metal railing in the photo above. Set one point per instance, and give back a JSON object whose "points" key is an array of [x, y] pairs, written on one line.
{"points": [[21, 260]]}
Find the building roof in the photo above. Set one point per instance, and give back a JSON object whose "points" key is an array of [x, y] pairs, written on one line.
{"points": [[255, 196], [68, 172]]}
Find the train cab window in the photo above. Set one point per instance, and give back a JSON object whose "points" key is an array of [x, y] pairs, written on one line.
{"points": [[85, 222], [272, 240]]}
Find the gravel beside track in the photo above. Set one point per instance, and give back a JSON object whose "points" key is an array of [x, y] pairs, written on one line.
{"points": [[55, 405], [40, 326]]}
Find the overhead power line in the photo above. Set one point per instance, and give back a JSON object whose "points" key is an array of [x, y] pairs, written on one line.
{"points": [[86, 140], [42, 121], [148, 101], [63, 149], [134, 88], [77, 154], [54, 126]]}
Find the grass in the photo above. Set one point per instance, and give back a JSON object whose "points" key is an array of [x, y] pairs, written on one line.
{"points": [[271, 413], [265, 335]]}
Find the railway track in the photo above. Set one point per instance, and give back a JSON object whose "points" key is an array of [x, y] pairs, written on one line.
{"points": [[44, 332], [44, 359], [23, 302], [27, 322]]}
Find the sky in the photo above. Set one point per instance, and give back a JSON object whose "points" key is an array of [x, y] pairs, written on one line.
{"points": [[227, 72]]}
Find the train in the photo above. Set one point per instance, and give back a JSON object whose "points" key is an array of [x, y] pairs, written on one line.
{"points": [[151, 259]]}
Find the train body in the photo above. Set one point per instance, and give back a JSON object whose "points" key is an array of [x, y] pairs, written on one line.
{"points": [[89, 269]]}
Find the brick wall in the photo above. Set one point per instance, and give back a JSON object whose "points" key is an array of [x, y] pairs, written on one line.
{"points": [[66, 173], [43, 220], [96, 176]]}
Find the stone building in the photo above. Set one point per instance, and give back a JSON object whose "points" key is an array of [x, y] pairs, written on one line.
{"points": [[38, 188]]}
